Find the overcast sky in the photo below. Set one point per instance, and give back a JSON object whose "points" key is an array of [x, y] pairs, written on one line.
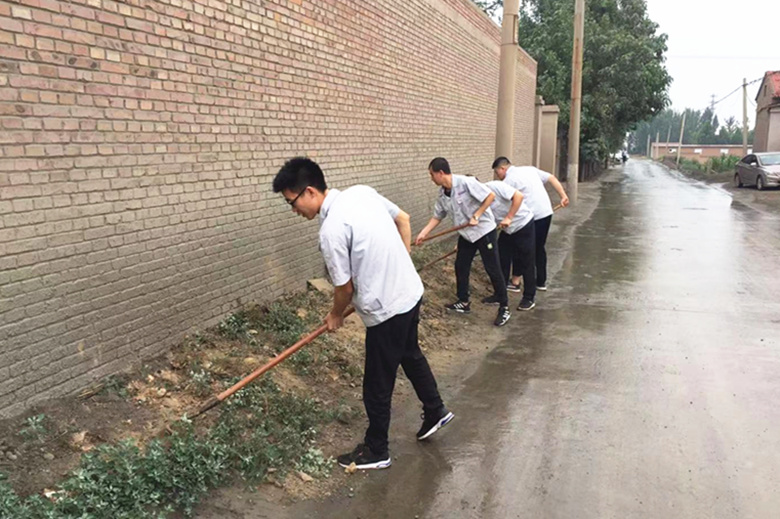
{"points": [[713, 45]]}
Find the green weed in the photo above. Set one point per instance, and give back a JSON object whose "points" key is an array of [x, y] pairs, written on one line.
{"points": [[258, 428], [115, 385], [283, 323], [233, 326], [35, 428], [200, 382], [314, 463]]}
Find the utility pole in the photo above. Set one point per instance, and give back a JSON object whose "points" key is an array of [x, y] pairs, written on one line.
{"points": [[682, 132], [744, 118], [657, 140], [648, 147], [668, 137], [573, 170], [506, 80]]}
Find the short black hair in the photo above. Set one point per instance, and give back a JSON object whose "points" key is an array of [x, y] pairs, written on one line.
{"points": [[500, 161], [299, 173], [440, 164]]}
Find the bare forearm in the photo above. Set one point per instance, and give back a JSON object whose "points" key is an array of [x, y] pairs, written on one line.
{"points": [[403, 223], [431, 226], [556, 184], [341, 298], [485, 204], [517, 201]]}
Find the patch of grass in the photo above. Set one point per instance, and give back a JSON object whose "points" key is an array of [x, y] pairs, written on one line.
{"points": [[691, 165], [200, 382], [314, 463], [722, 164], [344, 413], [234, 326], [258, 428], [34, 429], [115, 385], [283, 323], [302, 361]]}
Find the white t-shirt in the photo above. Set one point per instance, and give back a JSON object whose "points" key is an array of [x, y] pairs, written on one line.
{"points": [[360, 241], [466, 197], [530, 181], [503, 202]]}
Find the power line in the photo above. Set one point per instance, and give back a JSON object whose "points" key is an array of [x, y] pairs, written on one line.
{"points": [[736, 90]]}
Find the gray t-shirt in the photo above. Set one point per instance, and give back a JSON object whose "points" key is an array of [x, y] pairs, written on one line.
{"points": [[360, 241], [530, 181], [466, 196], [503, 202]]}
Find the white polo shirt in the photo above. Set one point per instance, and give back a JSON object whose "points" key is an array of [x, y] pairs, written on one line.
{"points": [[530, 181], [503, 202], [466, 196], [360, 241]]}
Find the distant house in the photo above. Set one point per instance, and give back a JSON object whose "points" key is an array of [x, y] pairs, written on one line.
{"points": [[698, 152], [768, 114]]}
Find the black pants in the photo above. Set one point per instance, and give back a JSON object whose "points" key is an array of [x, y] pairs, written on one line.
{"points": [[542, 228], [488, 251], [518, 252], [389, 344]]}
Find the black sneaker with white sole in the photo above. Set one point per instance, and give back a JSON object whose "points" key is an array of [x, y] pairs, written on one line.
{"points": [[511, 287], [461, 307], [364, 458], [543, 288], [491, 300], [525, 305], [502, 316], [434, 422]]}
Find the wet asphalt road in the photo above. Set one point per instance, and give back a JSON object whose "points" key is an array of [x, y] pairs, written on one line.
{"points": [[646, 383]]}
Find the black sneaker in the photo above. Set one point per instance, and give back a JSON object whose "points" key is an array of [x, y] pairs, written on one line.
{"points": [[491, 300], [511, 287], [433, 423], [461, 307], [526, 304], [503, 316], [364, 458], [543, 288]]}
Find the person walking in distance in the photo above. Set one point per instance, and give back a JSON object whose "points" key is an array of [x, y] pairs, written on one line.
{"points": [[468, 201], [530, 182], [365, 242], [516, 242]]}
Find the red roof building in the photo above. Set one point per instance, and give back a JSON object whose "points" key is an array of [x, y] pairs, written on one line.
{"points": [[767, 136]]}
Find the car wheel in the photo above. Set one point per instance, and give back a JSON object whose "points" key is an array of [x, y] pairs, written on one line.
{"points": [[737, 180], [760, 183]]}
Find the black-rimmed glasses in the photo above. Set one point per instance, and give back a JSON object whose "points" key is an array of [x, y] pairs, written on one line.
{"points": [[292, 202]]}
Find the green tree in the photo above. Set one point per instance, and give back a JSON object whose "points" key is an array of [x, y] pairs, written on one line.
{"points": [[701, 127], [624, 77], [491, 7]]}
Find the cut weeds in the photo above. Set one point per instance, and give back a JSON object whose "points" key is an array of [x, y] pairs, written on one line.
{"points": [[126, 451], [259, 429]]}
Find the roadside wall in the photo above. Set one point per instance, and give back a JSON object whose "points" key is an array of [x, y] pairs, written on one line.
{"points": [[139, 140]]}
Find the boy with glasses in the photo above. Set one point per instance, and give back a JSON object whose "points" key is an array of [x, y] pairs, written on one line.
{"points": [[365, 241]]}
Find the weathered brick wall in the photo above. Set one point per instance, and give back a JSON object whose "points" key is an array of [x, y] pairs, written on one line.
{"points": [[139, 140]]}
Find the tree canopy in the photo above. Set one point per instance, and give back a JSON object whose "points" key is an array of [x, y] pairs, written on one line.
{"points": [[701, 127], [624, 76]]}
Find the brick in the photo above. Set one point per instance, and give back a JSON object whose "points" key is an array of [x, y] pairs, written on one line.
{"points": [[139, 144], [21, 12]]}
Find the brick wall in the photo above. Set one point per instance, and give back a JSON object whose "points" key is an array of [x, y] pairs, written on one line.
{"points": [[139, 140]]}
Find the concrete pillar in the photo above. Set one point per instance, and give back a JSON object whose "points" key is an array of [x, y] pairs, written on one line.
{"points": [[538, 121], [505, 121]]}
